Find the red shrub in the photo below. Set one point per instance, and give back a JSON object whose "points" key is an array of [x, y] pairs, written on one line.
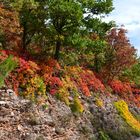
{"points": [[92, 82], [55, 83], [120, 87], [127, 91], [84, 87]]}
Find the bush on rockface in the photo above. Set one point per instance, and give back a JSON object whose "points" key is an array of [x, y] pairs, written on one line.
{"points": [[126, 90], [123, 110], [21, 75], [7, 64], [103, 136], [32, 79]]}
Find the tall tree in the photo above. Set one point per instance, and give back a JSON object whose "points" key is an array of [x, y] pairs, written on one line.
{"points": [[75, 19], [9, 28], [62, 22], [32, 17], [120, 54]]}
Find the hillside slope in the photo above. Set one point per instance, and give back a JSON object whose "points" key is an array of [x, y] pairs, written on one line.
{"points": [[20, 119]]}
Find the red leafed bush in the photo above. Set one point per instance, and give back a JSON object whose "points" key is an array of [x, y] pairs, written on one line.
{"points": [[26, 71], [135, 89], [49, 72], [120, 87], [92, 82], [21, 75], [53, 63], [85, 80], [3, 55], [127, 91], [55, 83], [136, 99], [25, 77], [84, 87]]}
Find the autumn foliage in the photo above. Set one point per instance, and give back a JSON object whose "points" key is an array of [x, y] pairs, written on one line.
{"points": [[123, 109], [126, 90], [38, 74], [10, 29], [120, 54]]}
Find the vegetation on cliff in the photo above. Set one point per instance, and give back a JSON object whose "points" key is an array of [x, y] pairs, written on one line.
{"points": [[64, 49]]}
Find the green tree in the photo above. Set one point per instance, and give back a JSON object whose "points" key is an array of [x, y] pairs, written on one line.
{"points": [[70, 21], [6, 67], [32, 17], [132, 74], [63, 24]]}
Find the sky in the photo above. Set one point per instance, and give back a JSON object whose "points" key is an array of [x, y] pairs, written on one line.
{"points": [[127, 13]]}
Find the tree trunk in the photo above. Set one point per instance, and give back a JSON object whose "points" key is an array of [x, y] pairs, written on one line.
{"points": [[96, 63], [57, 51], [24, 40]]}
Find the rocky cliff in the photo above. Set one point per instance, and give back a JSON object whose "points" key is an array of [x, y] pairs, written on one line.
{"points": [[21, 119]]}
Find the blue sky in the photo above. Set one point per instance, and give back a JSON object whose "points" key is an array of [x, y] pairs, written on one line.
{"points": [[127, 13]]}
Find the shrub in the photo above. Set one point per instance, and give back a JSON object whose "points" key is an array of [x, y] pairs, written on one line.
{"points": [[85, 80], [6, 66], [120, 87], [123, 110], [99, 102], [126, 90], [103, 136], [76, 106], [25, 79]]}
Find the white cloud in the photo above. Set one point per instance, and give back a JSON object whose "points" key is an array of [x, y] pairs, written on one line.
{"points": [[133, 27]]}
